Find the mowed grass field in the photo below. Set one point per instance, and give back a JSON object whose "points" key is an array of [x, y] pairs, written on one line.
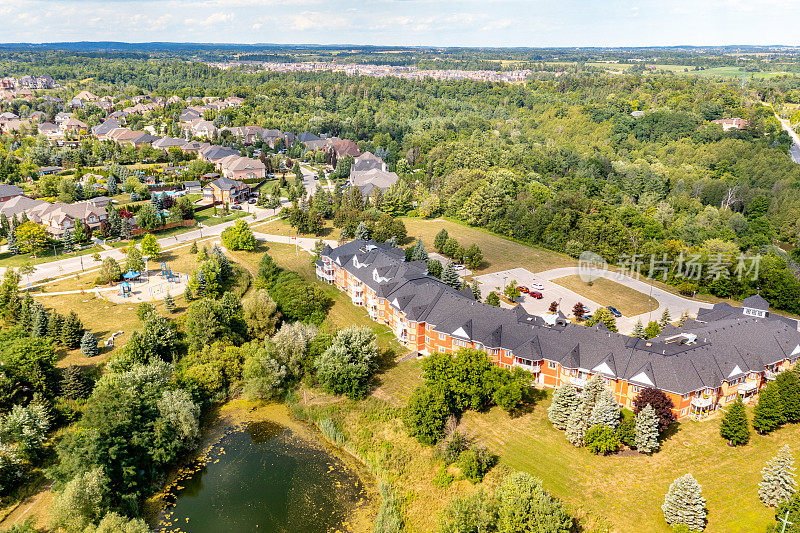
{"points": [[604, 291], [281, 227], [628, 490], [499, 253]]}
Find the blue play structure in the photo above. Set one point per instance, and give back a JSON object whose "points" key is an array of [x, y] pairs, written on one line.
{"points": [[125, 289], [167, 274], [130, 275]]}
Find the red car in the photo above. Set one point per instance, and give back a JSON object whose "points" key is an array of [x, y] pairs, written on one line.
{"points": [[523, 289], [536, 294]]}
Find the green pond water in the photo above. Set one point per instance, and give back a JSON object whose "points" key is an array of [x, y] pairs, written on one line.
{"points": [[263, 478]]}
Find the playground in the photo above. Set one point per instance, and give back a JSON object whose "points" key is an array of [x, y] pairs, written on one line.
{"points": [[148, 286]]}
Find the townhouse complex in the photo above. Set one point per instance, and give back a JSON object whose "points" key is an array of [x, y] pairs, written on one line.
{"points": [[703, 365]]}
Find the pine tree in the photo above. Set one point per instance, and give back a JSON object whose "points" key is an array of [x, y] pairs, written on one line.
{"points": [[419, 253], [114, 221], [39, 322], [735, 428], [72, 331], [89, 345], [788, 386], [193, 248], [638, 330], [778, 483], [66, 242], [565, 400], [666, 318], [593, 390], [73, 383], [476, 290], [684, 504], [606, 411], [362, 232], [13, 246], [54, 324], [111, 185], [450, 276], [768, 414], [4, 225], [647, 430], [682, 320], [26, 313], [169, 303], [578, 423], [201, 283], [440, 240]]}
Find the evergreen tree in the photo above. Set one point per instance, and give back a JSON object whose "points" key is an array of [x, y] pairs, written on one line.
{"points": [[768, 414], [606, 411], [647, 430], [114, 221], [788, 386], [362, 232], [73, 383], [440, 240], [450, 276], [54, 324], [493, 299], [89, 345], [638, 330], [169, 303], [418, 253], [39, 322], [778, 483], [593, 391], [666, 318], [476, 290], [13, 246], [26, 313], [735, 428], [565, 400], [684, 504], [72, 331], [201, 282], [67, 243], [193, 248], [111, 185], [578, 423], [4, 225], [682, 320]]}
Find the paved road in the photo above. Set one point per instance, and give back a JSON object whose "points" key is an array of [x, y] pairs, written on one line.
{"points": [[794, 151], [555, 292]]}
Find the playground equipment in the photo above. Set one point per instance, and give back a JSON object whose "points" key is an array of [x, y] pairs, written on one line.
{"points": [[167, 274], [125, 290]]}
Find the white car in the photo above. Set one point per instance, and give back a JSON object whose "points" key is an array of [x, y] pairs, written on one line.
{"points": [[537, 287], [459, 267]]}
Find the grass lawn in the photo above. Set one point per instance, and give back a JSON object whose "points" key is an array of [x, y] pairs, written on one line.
{"points": [[207, 217], [499, 253], [607, 292], [628, 490], [282, 227], [46, 255]]}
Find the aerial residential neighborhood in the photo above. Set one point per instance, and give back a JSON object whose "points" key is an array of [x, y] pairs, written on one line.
{"points": [[499, 268]]}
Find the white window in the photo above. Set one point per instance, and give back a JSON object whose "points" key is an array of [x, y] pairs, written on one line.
{"points": [[441, 349], [442, 336], [463, 344], [551, 364], [636, 389], [683, 411]]}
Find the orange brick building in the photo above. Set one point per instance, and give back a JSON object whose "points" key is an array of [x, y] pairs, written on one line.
{"points": [[726, 352]]}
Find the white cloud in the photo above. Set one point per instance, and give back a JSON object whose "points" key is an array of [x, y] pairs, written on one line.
{"points": [[317, 20], [213, 18]]}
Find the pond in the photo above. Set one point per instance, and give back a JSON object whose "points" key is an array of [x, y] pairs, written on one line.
{"points": [[263, 476]]}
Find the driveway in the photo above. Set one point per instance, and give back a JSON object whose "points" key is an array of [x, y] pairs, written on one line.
{"points": [[567, 298]]}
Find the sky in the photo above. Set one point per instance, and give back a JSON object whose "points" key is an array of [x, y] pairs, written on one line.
{"points": [[527, 23]]}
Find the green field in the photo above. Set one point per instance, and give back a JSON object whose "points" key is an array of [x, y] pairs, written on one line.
{"points": [[689, 70]]}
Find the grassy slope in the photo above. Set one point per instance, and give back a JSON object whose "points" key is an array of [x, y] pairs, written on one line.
{"points": [[606, 292]]}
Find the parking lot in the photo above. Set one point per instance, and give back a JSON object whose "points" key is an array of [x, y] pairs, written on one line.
{"points": [[552, 292]]}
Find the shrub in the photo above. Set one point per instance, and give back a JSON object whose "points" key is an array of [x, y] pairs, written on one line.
{"points": [[476, 462], [601, 440], [426, 414]]}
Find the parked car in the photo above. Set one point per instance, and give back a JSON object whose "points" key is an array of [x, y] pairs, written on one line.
{"points": [[614, 311], [523, 289], [537, 287], [251, 201], [458, 267], [237, 207], [536, 294], [587, 317]]}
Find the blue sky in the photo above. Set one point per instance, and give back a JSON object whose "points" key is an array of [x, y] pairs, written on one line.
{"points": [[407, 22]]}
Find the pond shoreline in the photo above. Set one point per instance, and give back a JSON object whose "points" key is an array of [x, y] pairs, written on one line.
{"points": [[235, 416]]}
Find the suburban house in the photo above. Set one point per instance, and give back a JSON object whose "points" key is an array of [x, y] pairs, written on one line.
{"points": [[225, 190], [57, 217], [735, 123], [702, 366], [236, 167], [370, 180], [101, 131], [215, 154], [74, 125], [165, 143], [7, 192], [368, 161], [192, 187]]}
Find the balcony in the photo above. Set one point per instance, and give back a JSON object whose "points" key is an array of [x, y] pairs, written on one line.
{"points": [[747, 387], [702, 403], [578, 382], [770, 375], [534, 367]]}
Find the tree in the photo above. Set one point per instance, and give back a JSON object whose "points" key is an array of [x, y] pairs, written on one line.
{"points": [[73, 383], [768, 413], [660, 402], [473, 256], [193, 248], [134, 259], [13, 244], [647, 430], [261, 315], [89, 345], [450, 276], [603, 315], [476, 289], [511, 290], [601, 440], [263, 376], [493, 299], [525, 507], [606, 411], [239, 237], [362, 232], [684, 504], [778, 483], [147, 218], [578, 423], [652, 329], [110, 271], [475, 462], [82, 502], [440, 240], [626, 431], [66, 242], [111, 185], [426, 414], [169, 303], [72, 331], [666, 318], [565, 401], [418, 252], [638, 330], [553, 307], [31, 237], [150, 246], [579, 310], [788, 385], [735, 428], [347, 366]]}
